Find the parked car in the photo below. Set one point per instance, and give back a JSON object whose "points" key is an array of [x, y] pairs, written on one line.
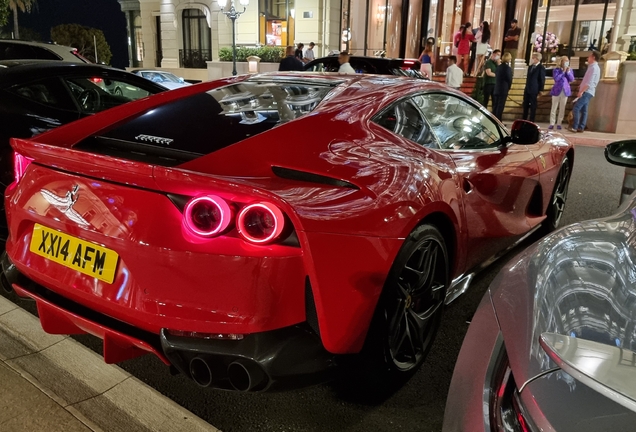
{"points": [[166, 79], [207, 227], [22, 50], [552, 345], [369, 65], [39, 95]]}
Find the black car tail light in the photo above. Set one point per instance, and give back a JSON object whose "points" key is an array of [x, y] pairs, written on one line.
{"points": [[260, 223], [506, 414]]}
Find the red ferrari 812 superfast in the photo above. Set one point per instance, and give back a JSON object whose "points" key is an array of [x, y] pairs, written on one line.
{"points": [[252, 231]]}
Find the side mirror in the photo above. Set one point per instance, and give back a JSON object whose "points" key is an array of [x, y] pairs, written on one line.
{"points": [[181, 80], [525, 132], [622, 153]]}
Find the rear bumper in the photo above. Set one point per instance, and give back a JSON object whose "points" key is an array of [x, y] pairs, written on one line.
{"points": [[278, 359]]}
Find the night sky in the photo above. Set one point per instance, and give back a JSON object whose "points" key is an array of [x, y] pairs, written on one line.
{"points": [[105, 15]]}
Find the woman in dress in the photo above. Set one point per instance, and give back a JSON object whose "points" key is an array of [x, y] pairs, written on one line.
{"points": [[463, 39], [503, 82], [483, 37], [426, 60], [560, 92]]}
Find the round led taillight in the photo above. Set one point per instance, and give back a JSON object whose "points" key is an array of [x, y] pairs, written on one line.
{"points": [[260, 223], [207, 215]]}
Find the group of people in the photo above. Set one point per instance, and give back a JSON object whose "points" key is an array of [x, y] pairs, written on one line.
{"points": [[295, 60], [498, 80], [498, 74]]}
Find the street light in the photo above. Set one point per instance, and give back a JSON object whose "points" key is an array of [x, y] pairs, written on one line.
{"points": [[233, 14]]}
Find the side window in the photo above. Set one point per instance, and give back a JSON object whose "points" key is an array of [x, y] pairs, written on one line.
{"points": [[406, 120], [361, 66], [328, 66], [95, 94], [457, 124], [49, 92]]}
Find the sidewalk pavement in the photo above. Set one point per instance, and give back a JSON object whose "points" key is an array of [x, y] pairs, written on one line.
{"points": [[587, 138], [53, 383]]}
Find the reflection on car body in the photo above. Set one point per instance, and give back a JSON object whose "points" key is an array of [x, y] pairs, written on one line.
{"points": [[552, 346]]}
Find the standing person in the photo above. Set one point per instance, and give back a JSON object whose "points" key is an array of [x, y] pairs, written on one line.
{"points": [[560, 92], [503, 81], [463, 40], [454, 75], [535, 81], [511, 41], [345, 67], [482, 37], [299, 51], [426, 61], [290, 62], [489, 79], [587, 89], [456, 39], [309, 54]]}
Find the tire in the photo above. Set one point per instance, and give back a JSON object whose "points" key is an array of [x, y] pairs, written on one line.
{"points": [[410, 308], [559, 196]]}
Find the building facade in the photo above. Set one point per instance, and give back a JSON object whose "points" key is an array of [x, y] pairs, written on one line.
{"points": [[185, 34]]}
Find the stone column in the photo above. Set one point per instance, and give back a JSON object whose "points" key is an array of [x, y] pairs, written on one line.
{"points": [[128, 6], [414, 29], [394, 28], [498, 24], [624, 25], [522, 13]]}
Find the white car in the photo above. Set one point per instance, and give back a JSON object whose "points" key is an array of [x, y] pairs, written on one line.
{"points": [[166, 79], [23, 50]]}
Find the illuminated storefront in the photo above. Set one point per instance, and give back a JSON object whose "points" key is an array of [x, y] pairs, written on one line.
{"points": [[554, 27]]}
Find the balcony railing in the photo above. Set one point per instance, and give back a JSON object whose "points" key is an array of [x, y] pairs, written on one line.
{"points": [[194, 58]]}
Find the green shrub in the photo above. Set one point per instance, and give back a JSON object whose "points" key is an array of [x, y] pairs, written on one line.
{"points": [[268, 54]]}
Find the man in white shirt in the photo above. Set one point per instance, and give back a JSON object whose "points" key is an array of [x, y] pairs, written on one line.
{"points": [[454, 74], [309, 53], [587, 89], [345, 67]]}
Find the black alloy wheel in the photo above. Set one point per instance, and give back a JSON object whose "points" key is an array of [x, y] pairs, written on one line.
{"points": [[410, 308], [556, 207], [414, 306]]}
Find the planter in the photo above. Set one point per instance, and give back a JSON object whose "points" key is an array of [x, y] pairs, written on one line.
{"points": [[223, 69]]}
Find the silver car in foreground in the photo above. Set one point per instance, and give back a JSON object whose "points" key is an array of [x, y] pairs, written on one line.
{"points": [[552, 346]]}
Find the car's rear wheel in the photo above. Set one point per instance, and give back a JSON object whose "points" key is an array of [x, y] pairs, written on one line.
{"points": [[409, 312], [559, 196]]}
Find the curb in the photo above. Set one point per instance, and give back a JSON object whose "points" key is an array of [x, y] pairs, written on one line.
{"points": [[101, 396]]}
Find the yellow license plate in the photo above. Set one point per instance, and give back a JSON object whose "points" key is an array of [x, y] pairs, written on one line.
{"points": [[85, 257]]}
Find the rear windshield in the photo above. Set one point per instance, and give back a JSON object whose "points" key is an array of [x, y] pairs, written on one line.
{"points": [[206, 122]]}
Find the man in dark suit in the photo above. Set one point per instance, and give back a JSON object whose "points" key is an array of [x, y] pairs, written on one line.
{"points": [[290, 62], [534, 86]]}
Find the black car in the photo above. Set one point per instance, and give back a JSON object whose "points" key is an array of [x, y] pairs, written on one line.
{"points": [[369, 65], [39, 95]]}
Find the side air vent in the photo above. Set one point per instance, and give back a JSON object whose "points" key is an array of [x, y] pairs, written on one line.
{"points": [[293, 174]]}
